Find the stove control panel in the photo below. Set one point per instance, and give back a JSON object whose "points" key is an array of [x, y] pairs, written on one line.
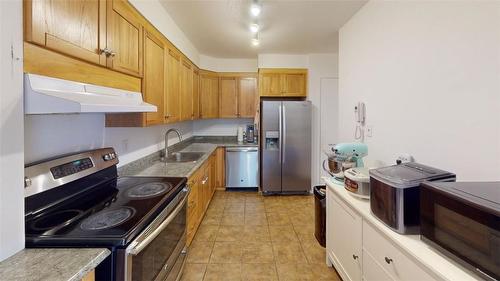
{"points": [[71, 168]]}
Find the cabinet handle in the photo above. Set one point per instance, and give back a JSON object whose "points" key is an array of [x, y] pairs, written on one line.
{"points": [[204, 181], [355, 257], [107, 52], [388, 260]]}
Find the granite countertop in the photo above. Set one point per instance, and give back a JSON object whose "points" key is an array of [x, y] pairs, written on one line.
{"points": [[51, 264], [150, 166]]}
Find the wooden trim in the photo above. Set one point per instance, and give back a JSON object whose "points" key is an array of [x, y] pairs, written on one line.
{"points": [[38, 60], [238, 74], [283, 70]]}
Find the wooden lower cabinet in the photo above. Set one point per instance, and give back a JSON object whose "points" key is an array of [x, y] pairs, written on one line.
{"points": [[89, 276], [220, 168], [202, 188]]}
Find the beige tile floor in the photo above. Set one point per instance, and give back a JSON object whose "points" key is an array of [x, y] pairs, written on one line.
{"points": [[246, 236]]}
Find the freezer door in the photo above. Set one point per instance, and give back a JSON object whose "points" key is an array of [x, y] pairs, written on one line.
{"points": [[271, 146], [296, 146]]}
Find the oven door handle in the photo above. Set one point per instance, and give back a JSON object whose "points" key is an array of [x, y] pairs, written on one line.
{"points": [[136, 247]]}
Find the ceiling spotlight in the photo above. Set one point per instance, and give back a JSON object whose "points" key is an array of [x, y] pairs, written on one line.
{"points": [[254, 27], [255, 9], [255, 42]]}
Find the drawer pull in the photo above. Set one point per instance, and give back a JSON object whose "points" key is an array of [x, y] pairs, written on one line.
{"points": [[355, 257], [388, 260]]}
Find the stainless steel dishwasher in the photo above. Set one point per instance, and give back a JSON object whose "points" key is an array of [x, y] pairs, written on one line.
{"points": [[242, 167]]}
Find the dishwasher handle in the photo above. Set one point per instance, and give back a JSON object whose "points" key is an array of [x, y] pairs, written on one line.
{"points": [[242, 149]]}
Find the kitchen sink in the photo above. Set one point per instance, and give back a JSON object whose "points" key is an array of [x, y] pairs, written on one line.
{"points": [[182, 157]]}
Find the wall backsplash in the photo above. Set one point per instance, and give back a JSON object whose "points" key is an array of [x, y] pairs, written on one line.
{"points": [[219, 127], [51, 135]]}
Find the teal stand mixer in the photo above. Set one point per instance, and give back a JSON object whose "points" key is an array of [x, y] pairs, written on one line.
{"points": [[345, 156]]}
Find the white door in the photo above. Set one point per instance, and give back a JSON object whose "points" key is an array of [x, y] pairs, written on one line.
{"points": [[328, 117]]}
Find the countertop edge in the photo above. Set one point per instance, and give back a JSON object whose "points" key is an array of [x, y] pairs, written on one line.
{"points": [[91, 265], [428, 257]]}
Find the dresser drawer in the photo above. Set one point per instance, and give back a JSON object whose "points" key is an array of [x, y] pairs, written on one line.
{"points": [[393, 260]]}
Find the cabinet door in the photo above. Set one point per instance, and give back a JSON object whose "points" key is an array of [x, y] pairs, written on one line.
{"points": [[247, 101], [344, 243], [213, 174], [153, 83], [228, 99], [220, 167], [173, 96], [193, 212], [196, 94], [294, 85], [270, 84], [124, 38], [209, 101], [186, 90], [372, 271], [75, 28]]}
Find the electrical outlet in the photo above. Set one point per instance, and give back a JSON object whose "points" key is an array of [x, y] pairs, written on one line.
{"points": [[369, 131], [405, 158], [125, 145]]}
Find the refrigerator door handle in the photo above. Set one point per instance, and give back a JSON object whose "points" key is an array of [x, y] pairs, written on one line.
{"points": [[280, 142], [283, 141]]}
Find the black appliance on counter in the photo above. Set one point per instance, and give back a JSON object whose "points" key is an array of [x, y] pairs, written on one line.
{"points": [[395, 194], [462, 219], [79, 201]]}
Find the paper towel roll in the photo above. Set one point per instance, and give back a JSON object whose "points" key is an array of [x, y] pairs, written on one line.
{"points": [[240, 134]]}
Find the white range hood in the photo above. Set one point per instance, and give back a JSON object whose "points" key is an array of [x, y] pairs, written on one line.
{"points": [[47, 95]]}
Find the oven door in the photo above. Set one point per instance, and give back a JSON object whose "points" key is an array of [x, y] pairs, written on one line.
{"points": [[158, 253]]}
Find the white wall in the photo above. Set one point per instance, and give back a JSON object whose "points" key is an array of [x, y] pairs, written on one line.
{"points": [[11, 129], [52, 135], [159, 17], [219, 127], [283, 61], [429, 72], [228, 65]]}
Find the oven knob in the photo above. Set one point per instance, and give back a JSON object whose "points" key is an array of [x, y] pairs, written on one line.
{"points": [[27, 182]]}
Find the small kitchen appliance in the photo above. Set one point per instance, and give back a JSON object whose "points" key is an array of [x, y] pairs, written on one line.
{"points": [[395, 194], [79, 201], [250, 133], [344, 156], [357, 182], [462, 220]]}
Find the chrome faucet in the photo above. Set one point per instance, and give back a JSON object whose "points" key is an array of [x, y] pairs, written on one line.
{"points": [[165, 151]]}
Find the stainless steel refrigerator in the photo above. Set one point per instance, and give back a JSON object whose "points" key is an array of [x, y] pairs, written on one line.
{"points": [[285, 146]]}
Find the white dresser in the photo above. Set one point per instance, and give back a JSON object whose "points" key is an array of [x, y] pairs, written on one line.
{"points": [[363, 248]]}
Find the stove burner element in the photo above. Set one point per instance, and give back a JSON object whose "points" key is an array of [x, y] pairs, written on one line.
{"points": [[56, 219], [147, 190], [107, 219]]}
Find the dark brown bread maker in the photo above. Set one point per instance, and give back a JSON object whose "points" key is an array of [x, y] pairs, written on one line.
{"points": [[395, 194]]}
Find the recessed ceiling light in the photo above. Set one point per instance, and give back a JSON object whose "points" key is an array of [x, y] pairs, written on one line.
{"points": [[254, 27], [255, 9], [255, 42]]}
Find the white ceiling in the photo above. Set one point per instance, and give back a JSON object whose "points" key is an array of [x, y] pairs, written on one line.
{"points": [[220, 28]]}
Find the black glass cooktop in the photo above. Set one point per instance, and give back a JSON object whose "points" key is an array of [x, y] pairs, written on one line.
{"points": [[109, 214]]}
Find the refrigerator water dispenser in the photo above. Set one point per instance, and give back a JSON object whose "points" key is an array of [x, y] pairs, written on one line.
{"points": [[272, 140]]}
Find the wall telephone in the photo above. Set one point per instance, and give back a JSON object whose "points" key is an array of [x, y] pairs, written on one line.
{"points": [[360, 115]]}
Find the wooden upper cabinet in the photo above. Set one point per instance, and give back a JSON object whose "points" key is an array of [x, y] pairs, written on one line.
{"points": [[294, 84], [209, 96], [173, 87], [124, 38], [270, 84], [186, 90], [196, 93], [228, 97], [247, 98], [153, 85], [74, 28], [280, 82]]}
